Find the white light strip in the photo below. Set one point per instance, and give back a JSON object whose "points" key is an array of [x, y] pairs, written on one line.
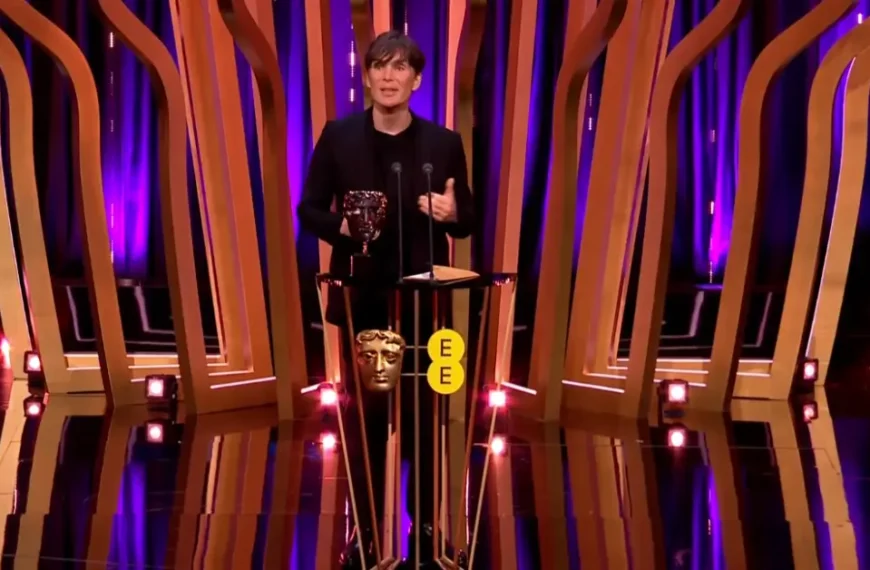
{"points": [[593, 386], [242, 383], [518, 388]]}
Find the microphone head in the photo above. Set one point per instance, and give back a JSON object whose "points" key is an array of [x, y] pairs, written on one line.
{"points": [[396, 167], [427, 168]]}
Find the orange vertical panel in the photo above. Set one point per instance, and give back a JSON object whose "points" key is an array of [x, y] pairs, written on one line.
{"points": [[285, 302], [175, 207], [584, 43], [518, 89], [88, 191], [746, 229], [658, 231], [844, 221], [321, 87], [808, 242], [608, 148], [34, 259]]}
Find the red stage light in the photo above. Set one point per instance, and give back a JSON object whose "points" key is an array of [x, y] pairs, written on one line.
{"points": [[811, 370], [498, 445], [810, 411], [33, 409], [32, 362], [677, 437], [497, 398], [678, 392], [5, 354], [674, 391], [155, 387], [154, 432], [328, 441], [328, 396]]}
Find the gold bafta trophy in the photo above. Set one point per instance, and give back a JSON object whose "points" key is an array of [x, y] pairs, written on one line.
{"points": [[379, 357], [366, 212]]}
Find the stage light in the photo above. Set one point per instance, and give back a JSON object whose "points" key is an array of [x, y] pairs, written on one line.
{"points": [[498, 445], [497, 398], [810, 411], [32, 362], [5, 353], [328, 395], [33, 406], [161, 387], [810, 369], [154, 432], [677, 437], [674, 391], [328, 441]]}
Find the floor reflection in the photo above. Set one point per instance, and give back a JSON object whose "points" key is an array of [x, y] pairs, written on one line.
{"points": [[760, 489]]}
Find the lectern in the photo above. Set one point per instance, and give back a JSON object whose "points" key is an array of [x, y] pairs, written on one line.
{"points": [[383, 357]]}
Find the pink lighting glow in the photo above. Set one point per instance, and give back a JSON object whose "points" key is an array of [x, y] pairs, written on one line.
{"points": [[498, 445], [811, 370], [5, 354], [678, 392], [328, 441], [154, 432], [32, 362], [33, 409], [497, 398], [810, 412], [156, 388], [328, 396], [677, 437]]}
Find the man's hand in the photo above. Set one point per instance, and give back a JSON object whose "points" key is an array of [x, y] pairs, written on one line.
{"points": [[443, 205]]}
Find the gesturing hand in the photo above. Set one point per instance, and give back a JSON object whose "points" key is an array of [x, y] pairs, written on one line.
{"points": [[443, 205]]}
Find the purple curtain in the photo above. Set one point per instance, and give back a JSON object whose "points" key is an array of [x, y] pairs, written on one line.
{"points": [[708, 145]]}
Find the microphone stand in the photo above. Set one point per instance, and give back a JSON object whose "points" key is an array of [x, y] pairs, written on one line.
{"points": [[397, 169], [427, 170]]}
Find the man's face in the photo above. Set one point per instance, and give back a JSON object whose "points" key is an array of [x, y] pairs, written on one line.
{"points": [[391, 82], [380, 364]]}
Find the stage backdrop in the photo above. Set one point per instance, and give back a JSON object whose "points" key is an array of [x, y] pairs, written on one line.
{"points": [[708, 134]]}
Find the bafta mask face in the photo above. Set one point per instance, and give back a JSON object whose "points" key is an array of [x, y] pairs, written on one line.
{"points": [[366, 212], [379, 357]]}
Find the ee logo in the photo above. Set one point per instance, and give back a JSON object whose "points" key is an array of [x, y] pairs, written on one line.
{"points": [[446, 349]]}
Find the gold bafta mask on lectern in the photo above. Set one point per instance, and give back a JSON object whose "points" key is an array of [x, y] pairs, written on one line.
{"points": [[379, 357]]}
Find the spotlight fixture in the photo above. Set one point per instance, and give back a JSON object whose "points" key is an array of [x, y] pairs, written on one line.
{"points": [[5, 353], [497, 397], [34, 406], [810, 369], [677, 437], [32, 362], [328, 441], [810, 411], [161, 388], [328, 394], [498, 445], [154, 432], [674, 391]]}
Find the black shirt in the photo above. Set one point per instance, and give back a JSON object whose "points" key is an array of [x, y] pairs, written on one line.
{"points": [[388, 150]]}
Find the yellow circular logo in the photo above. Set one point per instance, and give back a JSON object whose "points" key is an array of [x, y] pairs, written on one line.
{"points": [[446, 349]]}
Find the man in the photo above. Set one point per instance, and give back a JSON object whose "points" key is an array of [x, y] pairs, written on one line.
{"points": [[360, 152]]}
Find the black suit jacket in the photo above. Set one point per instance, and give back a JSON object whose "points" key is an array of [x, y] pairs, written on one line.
{"points": [[344, 160]]}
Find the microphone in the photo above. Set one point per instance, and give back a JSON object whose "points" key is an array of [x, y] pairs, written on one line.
{"points": [[396, 167], [427, 170]]}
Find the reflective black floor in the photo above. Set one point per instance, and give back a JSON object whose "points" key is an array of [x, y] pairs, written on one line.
{"points": [[762, 489]]}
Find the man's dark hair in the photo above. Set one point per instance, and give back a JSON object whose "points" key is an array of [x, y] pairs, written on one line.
{"points": [[391, 44]]}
